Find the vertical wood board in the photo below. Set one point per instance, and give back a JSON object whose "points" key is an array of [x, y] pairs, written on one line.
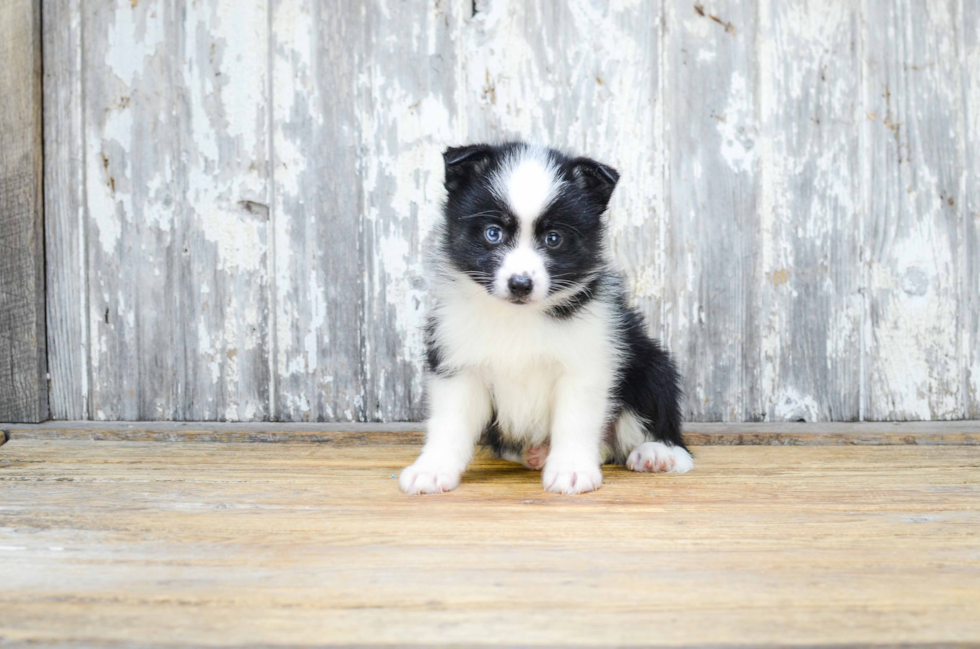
{"points": [[65, 216], [914, 162], [317, 273], [713, 224], [23, 360], [809, 300], [405, 114], [969, 329]]}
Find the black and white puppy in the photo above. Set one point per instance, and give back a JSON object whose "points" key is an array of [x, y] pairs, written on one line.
{"points": [[530, 341]]}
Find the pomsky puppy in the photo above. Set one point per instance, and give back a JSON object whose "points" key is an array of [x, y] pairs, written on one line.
{"points": [[531, 344]]}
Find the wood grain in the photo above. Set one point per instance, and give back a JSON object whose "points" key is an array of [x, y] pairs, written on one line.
{"points": [[969, 51], [177, 195], [809, 287], [130, 140], [318, 275], [713, 229], [23, 360], [221, 235], [912, 232], [406, 110], [253, 544], [65, 221]]}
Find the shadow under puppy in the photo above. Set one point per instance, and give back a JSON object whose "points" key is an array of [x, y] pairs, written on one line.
{"points": [[530, 341]]}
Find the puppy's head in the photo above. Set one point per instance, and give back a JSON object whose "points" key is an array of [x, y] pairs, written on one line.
{"points": [[525, 222]]}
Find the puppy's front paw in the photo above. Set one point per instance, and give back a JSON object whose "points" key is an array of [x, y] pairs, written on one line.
{"points": [[425, 477], [571, 479], [655, 457]]}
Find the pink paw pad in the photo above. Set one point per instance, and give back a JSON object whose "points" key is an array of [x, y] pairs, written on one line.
{"points": [[534, 456]]}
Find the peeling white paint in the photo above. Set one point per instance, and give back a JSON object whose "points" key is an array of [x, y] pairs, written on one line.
{"points": [[736, 125], [239, 240], [132, 36], [101, 201], [790, 405]]}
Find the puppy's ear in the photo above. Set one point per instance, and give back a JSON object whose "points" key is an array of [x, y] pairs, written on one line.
{"points": [[464, 163], [597, 179]]}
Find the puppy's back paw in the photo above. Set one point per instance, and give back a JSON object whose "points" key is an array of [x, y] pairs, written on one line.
{"points": [[534, 457], [657, 457]]}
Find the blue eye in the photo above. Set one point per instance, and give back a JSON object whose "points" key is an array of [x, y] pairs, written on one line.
{"points": [[552, 239], [494, 234]]}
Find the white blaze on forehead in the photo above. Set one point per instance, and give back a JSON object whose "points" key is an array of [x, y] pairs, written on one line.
{"points": [[528, 184]]}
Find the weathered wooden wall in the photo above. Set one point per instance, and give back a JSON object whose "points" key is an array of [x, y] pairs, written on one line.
{"points": [[238, 194], [23, 363]]}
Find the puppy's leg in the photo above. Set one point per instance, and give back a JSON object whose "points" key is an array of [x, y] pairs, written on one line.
{"points": [[460, 408], [648, 431], [579, 416]]}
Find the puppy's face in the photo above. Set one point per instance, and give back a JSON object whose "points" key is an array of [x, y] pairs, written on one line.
{"points": [[524, 222]]}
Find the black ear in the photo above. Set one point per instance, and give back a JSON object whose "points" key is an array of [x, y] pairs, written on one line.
{"points": [[464, 162], [597, 179]]}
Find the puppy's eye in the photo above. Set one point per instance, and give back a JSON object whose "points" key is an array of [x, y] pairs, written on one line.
{"points": [[552, 239], [494, 234]]}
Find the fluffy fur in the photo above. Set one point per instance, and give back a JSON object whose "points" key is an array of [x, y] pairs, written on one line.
{"points": [[531, 344]]}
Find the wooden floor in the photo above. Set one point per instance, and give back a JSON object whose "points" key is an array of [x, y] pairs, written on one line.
{"points": [[152, 543]]}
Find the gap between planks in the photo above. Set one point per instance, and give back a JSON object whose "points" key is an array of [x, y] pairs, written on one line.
{"points": [[945, 433]]}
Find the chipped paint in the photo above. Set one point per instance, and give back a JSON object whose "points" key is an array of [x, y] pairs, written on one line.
{"points": [[736, 125]]}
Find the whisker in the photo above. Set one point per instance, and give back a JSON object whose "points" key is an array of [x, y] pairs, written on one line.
{"points": [[470, 216]]}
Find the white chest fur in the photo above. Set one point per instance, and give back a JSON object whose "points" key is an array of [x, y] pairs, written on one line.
{"points": [[524, 400], [521, 354]]}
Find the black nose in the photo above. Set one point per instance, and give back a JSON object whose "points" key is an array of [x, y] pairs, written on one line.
{"points": [[520, 285]]}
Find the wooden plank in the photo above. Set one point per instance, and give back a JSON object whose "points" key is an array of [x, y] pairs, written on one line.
{"points": [[318, 276], [586, 78], [809, 294], [713, 225], [857, 437], [23, 361], [64, 211], [406, 111], [222, 239], [129, 139], [969, 51], [177, 199], [913, 230], [200, 434], [702, 434], [248, 544]]}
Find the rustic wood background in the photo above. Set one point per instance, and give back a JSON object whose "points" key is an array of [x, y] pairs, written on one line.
{"points": [[23, 388], [237, 193]]}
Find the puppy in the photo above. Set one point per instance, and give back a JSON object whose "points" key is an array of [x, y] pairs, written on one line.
{"points": [[530, 341]]}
